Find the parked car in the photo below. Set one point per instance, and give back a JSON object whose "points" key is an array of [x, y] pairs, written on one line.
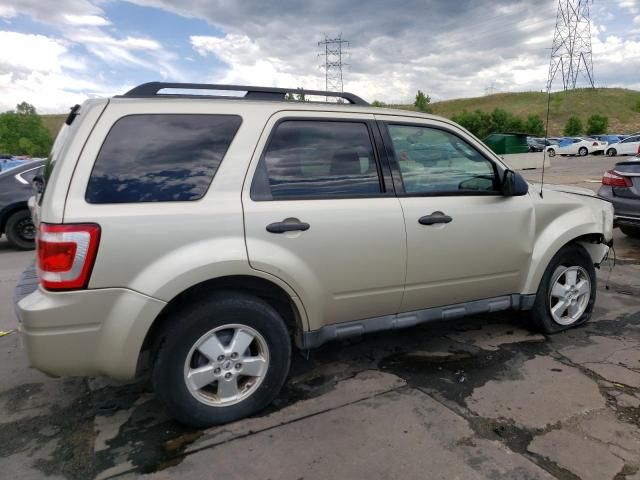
{"points": [[628, 146], [539, 144], [576, 146], [201, 236], [610, 139], [621, 186], [8, 164], [15, 190]]}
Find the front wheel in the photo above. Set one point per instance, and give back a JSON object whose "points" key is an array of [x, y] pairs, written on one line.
{"points": [[222, 359], [567, 292], [611, 152], [583, 152], [551, 152]]}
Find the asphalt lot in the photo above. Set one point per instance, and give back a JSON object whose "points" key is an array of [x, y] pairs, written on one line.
{"points": [[478, 398]]}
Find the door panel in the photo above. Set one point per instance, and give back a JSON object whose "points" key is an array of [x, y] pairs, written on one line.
{"points": [[465, 241], [629, 147], [346, 258], [481, 253]]}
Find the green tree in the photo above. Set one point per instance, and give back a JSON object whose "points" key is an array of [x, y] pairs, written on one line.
{"points": [[423, 102], [534, 126], [478, 122], [24, 108], [289, 96], [377, 103], [597, 124], [573, 126], [23, 133]]}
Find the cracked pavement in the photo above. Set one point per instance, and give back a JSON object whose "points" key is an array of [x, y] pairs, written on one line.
{"points": [[483, 397]]}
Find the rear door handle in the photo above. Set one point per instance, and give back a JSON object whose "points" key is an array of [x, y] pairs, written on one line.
{"points": [[435, 217], [281, 227]]}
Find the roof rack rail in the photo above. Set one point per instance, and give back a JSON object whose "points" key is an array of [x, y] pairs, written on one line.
{"points": [[151, 89]]}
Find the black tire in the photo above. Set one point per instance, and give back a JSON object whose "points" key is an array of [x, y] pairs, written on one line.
{"points": [[583, 152], [190, 324], [551, 152], [569, 256], [611, 152], [20, 230], [633, 232]]}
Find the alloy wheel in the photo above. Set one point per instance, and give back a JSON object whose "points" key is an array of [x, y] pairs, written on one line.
{"points": [[569, 294], [226, 365]]}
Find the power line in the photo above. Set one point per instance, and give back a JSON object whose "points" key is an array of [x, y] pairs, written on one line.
{"points": [[332, 49], [571, 52]]}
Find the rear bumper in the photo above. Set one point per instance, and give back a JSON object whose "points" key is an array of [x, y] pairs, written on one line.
{"points": [[86, 332]]}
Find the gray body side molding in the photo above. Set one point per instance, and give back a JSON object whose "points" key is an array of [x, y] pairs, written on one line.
{"points": [[315, 338]]}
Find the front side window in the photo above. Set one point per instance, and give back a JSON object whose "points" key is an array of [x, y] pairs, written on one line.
{"points": [[433, 161], [317, 159], [160, 158]]}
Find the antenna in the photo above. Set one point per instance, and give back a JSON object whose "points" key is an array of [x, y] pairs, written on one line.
{"points": [[332, 51], [571, 52]]}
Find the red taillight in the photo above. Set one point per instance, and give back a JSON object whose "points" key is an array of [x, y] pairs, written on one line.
{"points": [[613, 179], [66, 254]]}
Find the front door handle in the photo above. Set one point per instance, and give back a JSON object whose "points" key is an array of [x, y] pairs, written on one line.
{"points": [[435, 217], [287, 226]]}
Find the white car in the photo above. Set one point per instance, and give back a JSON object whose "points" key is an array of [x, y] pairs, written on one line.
{"points": [[576, 146], [628, 146]]}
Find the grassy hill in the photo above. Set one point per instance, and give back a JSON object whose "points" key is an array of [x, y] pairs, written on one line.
{"points": [[616, 103]]}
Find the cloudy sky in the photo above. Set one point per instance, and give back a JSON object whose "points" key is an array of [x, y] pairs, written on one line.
{"points": [[55, 53]]}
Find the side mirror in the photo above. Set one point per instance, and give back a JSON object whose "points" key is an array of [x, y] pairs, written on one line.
{"points": [[513, 185], [37, 184]]}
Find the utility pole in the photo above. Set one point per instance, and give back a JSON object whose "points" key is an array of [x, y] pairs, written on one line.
{"points": [[332, 49], [571, 53]]}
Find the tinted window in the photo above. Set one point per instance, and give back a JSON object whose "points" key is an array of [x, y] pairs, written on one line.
{"points": [[435, 161], [307, 159], [160, 158]]}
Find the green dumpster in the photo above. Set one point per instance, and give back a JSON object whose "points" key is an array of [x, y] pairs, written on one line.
{"points": [[503, 143]]}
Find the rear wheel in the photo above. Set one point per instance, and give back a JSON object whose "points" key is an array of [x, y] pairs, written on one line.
{"points": [[551, 152], [223, 359], [20, 230], [567, 292], [611, 152], [583, 151], [633, 232]]}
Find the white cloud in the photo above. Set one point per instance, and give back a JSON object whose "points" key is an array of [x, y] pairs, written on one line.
{"points": [[86, 20], [7, 11], [30, 53], [41, 71]]}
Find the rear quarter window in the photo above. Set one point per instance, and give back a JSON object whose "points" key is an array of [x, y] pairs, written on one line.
{"points": [[160, 158]]}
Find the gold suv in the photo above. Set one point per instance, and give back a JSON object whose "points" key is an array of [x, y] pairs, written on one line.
{"points": [[202, 235]]}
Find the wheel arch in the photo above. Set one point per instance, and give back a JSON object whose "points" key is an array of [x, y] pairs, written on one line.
{"points": [[591, 241], [288, 306]]}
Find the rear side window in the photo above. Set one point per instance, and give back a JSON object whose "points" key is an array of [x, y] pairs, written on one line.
{"points": [[160, 158], [317, 159]]}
